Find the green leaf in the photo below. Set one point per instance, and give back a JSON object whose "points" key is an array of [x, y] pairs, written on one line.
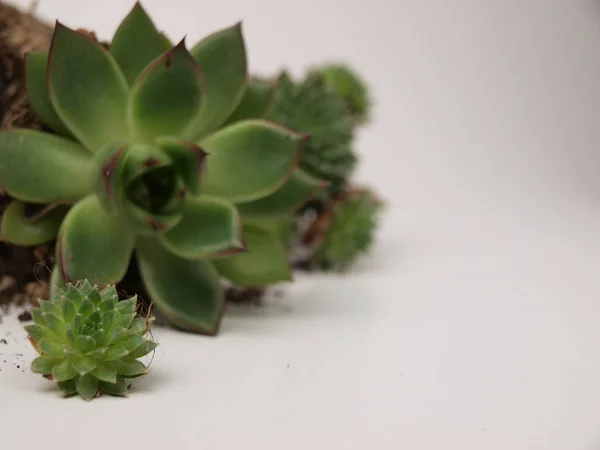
{"points": [[37, 332], [130, 342], [55, 323], [51, 347], [138, 325], [86, 343], [256, 101], [119, 388], [38, 167], [87, 386], [167, 96], [87, 88], [188, 158], [265, 263], [187, 292], [115, 353], [94, 245], [143, 349], [109, 169], [64, 371], [44, 364], [67, 387], [128, 306], [105, 372], [136, 43], [130, 367], [250, 160], [286, 200], [84, 364], [36, 64], [222, 59], [210, 226]]}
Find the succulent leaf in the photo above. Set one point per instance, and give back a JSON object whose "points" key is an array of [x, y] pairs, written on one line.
{"points": [[285, 201], [350, 231], [189, 160], [167, 96], [93, 244], [38, 167], [87, 88], [17, 228], [222, 59], [87, 363], [36, 64], [188, 292], [350, 87], [265, 262], [260, 154], [312, 108], [209, 227], [136, 43], [256, 101]]}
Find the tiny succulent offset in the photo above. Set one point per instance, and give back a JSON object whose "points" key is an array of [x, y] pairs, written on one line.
{"points": [[159, 153], [89, 342]]}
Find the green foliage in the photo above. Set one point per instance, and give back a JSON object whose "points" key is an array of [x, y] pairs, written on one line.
{"points": [[159, 155], [311, 107], [350, 230], [89, 342], [350, 87]]}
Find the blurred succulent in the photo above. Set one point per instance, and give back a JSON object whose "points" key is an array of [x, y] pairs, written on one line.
{"points": [[124, 173], [312, 108], [350, 87], [345, 230], [88, 341]]}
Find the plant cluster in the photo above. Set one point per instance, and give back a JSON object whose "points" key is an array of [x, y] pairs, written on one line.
{"points": [[177, 158], [89, 342]]}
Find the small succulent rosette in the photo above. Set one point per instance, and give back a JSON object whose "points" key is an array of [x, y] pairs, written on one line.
{"points": [[89, 342]]}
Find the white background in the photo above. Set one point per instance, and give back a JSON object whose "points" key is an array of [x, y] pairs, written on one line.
{"points": [[474, 324]]}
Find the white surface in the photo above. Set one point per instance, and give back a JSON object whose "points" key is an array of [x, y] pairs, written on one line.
{"points": [[474, 323]]}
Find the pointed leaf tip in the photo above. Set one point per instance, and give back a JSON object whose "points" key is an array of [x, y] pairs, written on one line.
{"points": [[87, 88]]}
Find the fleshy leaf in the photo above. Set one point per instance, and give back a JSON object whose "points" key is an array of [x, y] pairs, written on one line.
{"points": [[265, 262], [261, 155], [187, 292], [188, 158], [94, 245], [286, 200], [119, 388], [109, 167], [136, 43], [143, 349], [105, 372], [84, 364], [52, 347], [114, 353], [138, 325], [87, 88], [167, 96], [17, 229], [39, 167], [64, 371], [36, 64], [129, 367], [222, 59], [44, 364], [67, 387], [87, 386], [255, 102], [210, 226]]}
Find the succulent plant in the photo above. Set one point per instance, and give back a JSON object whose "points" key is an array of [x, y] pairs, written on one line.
{"points": [[154, 154], [350, 87], [310, 107], [89, 342], [345, 230]]}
